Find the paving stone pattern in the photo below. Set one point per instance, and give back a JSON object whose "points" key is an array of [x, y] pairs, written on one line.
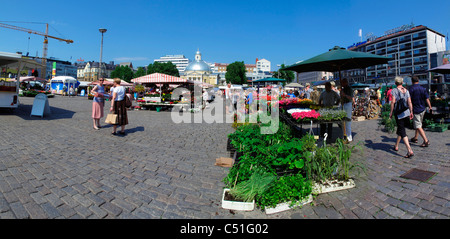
{"points": [[60, 167]]}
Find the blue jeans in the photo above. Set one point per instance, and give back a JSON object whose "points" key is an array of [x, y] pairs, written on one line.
{"points": [[348, 107]]}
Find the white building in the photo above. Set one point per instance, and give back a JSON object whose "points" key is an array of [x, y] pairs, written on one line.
{"points": [[309, 77], [263, 65], [178, 60]]}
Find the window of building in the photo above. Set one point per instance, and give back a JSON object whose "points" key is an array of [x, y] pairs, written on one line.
{"points": [[420, 68], [392, 42], [405, 46], [405, 70], [405, 38], [420, 43], [420, 60], [420, 51], [405, 54], [419, 35]]}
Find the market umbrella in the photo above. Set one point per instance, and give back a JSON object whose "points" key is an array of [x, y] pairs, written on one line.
{"points": [[360, 85], [270, 80], [337, 60], [265, 80], [444, 69], [294, 85]]}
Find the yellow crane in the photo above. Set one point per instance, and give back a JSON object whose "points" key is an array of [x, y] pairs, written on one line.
{"points": [[46, 36]]}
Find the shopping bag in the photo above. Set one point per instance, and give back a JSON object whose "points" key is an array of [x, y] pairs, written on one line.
{"points": [[111, 119]]}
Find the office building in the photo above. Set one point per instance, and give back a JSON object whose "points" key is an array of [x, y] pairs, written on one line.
{"points": [[63, 68], [180, 61], [409, 48]]}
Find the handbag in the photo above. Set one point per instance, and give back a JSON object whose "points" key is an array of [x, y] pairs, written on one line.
{"points": [[112, 119], [127, 102]]}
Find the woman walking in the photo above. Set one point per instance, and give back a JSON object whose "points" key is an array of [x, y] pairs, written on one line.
{"points": [[401, 96], [98, 103], [118, 106]]}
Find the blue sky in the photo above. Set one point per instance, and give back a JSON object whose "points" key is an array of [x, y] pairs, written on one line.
{"points": [[225, 31]]}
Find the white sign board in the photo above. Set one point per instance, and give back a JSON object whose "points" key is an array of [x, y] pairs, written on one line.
{"points": [[40, 105]]}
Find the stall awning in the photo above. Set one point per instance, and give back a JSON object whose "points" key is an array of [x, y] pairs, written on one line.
{"points": [[159, 78]]}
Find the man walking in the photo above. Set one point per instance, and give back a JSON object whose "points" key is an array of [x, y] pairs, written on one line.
{"points": [[347, 105], [420, 100], [328, 98], [307, 91]]}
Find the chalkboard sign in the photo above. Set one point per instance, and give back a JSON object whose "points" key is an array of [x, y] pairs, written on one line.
{"points": [[40, 105]]}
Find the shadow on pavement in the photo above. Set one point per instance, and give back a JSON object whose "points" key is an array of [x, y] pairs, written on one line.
{"points": [[24, 111], [380, 146]]}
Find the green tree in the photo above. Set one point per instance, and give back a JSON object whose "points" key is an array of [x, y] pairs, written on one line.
{"points": [[140, 72], [236, 73], [165, 68], [123, 72], [289, 76]]}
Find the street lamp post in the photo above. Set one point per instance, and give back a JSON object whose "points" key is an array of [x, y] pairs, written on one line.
{"points": [[101, 30]]}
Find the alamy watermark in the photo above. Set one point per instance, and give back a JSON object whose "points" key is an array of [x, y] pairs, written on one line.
{"points": [[237, 105]]}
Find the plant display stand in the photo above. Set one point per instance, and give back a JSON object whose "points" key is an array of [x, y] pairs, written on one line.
{"points": [[236, 205], [332, 186], [288, 206]]}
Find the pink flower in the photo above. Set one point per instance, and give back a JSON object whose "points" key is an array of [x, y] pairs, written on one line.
{"points": [[308, 115]]}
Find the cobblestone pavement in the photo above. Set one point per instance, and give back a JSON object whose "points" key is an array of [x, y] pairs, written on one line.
{"points": [[60, 167]]}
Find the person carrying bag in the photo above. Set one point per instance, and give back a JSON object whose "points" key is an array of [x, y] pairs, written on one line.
{"points": [[118, 106], [400, 98]]}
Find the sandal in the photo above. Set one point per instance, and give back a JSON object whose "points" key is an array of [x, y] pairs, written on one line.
{"points": [[425, 144], [409, 155], [395, 149], [414, 140]]}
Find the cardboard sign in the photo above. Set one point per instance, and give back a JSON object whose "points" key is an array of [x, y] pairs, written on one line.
{"points": [[224, 162], [40, 105]]}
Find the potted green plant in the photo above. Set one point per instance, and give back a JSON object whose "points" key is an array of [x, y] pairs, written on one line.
{"points": [[285, 193], [242, 196], [440, 127]]}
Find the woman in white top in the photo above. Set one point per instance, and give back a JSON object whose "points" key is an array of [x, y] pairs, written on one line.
{"points": [[118, 106]]}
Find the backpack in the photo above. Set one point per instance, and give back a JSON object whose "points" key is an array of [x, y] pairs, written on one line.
{"points": [[400, 105]]}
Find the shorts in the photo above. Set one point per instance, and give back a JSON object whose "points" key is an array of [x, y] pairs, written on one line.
{"points": [[401, 125], [418, 119]]}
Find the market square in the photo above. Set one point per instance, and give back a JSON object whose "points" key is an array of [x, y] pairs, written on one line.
{"points": [[59, 167]]}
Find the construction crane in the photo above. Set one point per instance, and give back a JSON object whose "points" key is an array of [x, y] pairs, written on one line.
{"points": [[46, 36]]}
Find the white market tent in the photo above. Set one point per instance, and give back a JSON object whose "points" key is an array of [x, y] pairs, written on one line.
{"points": [[58, 82], [159, 78]]}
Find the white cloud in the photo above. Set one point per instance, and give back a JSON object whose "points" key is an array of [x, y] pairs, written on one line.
{"points": [[128, 59]]}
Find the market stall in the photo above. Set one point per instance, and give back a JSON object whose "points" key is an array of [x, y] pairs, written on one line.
{"points": [[161, 100], [303, 112]]}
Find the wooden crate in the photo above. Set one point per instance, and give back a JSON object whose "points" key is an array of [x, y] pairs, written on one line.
{"points": [[360, 118]]}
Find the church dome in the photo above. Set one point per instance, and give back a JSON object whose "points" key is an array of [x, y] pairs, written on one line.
{"points": [[198, 64]]}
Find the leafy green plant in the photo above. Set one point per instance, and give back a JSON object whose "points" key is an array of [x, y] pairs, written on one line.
{"points": [[390, 125], [344, 153], [323, 164], [287, 188], [331, 114], [258, 182]]}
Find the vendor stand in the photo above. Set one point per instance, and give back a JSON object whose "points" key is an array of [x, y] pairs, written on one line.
{"points": [[299, 112], [161, 101]]}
